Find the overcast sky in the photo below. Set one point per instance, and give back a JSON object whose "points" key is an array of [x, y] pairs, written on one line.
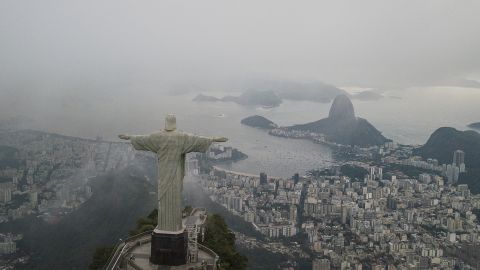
{"points": [[78, 45], [74, 62]]}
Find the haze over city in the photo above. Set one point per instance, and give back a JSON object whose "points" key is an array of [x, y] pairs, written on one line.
{"points": [[335, 112]]}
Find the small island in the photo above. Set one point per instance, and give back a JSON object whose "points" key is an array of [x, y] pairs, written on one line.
{"points": [[258, 121], [267, 99]]}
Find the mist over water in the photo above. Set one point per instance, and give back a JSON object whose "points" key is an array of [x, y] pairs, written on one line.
{"points": [[408, 116], [420, 111]]}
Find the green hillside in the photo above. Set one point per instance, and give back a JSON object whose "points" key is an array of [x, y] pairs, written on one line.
{"points": [[444, 141]]}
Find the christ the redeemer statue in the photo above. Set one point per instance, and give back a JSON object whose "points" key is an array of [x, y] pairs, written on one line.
{"points": [[170, 146]]}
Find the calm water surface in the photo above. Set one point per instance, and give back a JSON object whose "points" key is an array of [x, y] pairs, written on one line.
{"points": [[408, 116]]}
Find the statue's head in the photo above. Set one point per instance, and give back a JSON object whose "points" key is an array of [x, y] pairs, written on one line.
{"points": [[170, 122]]}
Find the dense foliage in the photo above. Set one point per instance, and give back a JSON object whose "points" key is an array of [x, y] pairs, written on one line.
{"points": [[316, 173], [354, 172], [409, 171], [100, 257], [221, 240], [145, 223]]}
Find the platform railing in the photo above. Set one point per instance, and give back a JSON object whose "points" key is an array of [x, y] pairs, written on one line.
{"points": [[115, 258]]}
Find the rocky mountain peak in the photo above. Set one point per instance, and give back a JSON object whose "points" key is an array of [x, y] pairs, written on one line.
{"points": [[342, 108]]}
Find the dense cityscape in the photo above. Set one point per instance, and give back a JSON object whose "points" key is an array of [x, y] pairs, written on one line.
{"points": [[47, 176], [380, 220], [368, 212]]}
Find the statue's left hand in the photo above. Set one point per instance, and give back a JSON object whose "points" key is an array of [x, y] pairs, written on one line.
{"points": [[220, 139], [124, 137]]}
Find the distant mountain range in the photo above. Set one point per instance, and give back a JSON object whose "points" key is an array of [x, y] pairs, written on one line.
{"points": [[256, 98], [258, 122], [271, 93], [205, 98], [314, 91], [343, 127], [444, 141]]}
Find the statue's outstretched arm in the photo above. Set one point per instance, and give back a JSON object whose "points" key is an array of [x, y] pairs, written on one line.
{"points": [[141, 142], [124, 137], [219, 139]]}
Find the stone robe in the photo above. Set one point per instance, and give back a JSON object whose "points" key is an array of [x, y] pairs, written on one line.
{"points": [[170, 147]]}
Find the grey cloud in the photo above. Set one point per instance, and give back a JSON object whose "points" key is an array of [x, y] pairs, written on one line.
{"points": [[53, 44]]}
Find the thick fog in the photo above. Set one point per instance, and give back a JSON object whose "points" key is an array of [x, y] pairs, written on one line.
{"points": [[60, 57], [65, 43]]}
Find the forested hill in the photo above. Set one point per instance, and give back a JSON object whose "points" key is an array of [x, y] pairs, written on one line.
{"points": [[444, 141]]}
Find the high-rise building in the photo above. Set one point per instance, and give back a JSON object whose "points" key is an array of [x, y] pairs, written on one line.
{"points": [[235, 203], [293, 212], [321, 264], [7, 245], [5, 192], [296, 178], [391, 202], [458, 158], [452, 172], [372, 173], [263, 178], [425, 178], [462, 167], [375, 173], [34, 198], [344, 214]]}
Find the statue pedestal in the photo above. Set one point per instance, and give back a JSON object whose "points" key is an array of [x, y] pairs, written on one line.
{"points": [[169, 248]]}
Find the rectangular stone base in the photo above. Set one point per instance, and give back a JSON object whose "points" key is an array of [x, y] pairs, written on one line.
{"points": [[169, 249]]}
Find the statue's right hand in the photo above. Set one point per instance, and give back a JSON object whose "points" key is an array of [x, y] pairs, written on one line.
{"points": [[124, 137], [220, 139]]}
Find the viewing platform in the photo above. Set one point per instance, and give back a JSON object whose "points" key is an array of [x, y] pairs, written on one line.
{"points": [[134, 252]]}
